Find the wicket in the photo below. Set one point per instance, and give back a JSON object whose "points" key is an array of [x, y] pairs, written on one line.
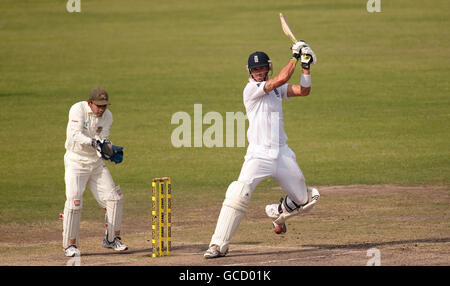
{"points": [[161, 216]]}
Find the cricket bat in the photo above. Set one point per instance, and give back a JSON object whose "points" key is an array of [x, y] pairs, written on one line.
{"points": [[287, 31]]}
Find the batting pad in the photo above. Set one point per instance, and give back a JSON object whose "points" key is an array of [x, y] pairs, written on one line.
{"points": [[227, 224], [233, 209], [238, 196], [113, 216], [71, 227]]}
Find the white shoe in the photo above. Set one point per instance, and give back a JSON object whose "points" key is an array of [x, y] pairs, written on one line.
{"points": [[214, 252], [72, 251], [313, 194], [272, 211], [116, 244]]}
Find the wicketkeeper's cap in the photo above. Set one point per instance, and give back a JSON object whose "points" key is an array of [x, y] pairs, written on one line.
{"points": [[99, 96]]}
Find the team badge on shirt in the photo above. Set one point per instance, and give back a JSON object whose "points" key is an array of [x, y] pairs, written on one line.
{"points": [[99, 129]]}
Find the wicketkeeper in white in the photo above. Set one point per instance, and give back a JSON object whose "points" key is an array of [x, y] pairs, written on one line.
{"points": [[87, 145], [268, 155]]}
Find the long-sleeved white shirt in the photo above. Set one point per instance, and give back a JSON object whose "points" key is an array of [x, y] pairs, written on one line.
{"points": [[83, 125]]}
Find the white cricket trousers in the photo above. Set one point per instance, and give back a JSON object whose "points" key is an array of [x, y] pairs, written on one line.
{"points": [[260, 163], [79, 174]]}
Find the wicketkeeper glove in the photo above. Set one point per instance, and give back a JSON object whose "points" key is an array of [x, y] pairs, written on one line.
{"points": [[117, 156], [96, 144], [111, 152]]}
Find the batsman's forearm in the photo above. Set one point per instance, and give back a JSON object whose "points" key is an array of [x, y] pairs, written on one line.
{"points": [[283, 77], [286, 73], [302, 89], [305, 82]]}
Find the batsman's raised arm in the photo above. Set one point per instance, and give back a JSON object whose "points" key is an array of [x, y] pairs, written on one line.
{"points": [[302, 89], [307, 57], [286, 73], [280, 79]]}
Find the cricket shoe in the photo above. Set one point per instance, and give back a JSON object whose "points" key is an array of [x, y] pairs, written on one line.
{"points": [[214, 252], [272, 211], [116, 244], [72, 251]]}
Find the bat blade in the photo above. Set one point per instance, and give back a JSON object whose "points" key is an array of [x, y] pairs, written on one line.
{"points": [[287, 31]]}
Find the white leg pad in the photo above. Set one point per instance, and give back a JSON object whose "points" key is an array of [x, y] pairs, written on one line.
{"points": [[238, 196], [227, 224], [233, 209], [113, 216], [71, 227]]}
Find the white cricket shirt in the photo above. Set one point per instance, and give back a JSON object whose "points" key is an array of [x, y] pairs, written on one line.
{"points": [[265, 115], [83, 125]]}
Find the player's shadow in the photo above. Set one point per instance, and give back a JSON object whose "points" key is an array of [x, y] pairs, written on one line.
{"points": [[365, 245], [315, 247], [190, 248], [126, 252], [197, 249]]}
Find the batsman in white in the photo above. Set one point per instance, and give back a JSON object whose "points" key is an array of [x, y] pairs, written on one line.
{"points": [[268, 155], [86, 145]]}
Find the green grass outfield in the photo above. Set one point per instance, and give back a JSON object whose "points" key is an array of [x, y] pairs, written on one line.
{"points": [[378, 113]]}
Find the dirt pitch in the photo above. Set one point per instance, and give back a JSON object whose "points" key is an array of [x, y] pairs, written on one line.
{"points": [[407, 225]]}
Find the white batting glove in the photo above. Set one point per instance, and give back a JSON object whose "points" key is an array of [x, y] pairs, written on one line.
{"points": [[308, 57], [297, 47]]}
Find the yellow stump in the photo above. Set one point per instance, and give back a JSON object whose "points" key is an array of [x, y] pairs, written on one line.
{"points": [[154, 220], [169, 214], [161, 216]]}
